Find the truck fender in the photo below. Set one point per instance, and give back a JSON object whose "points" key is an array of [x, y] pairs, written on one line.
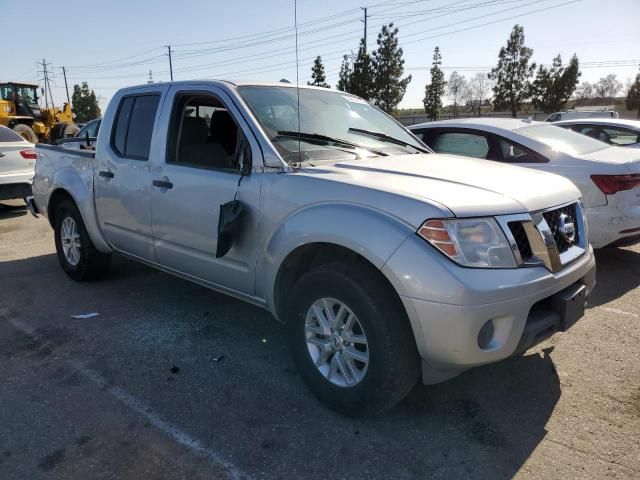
{"points": [[81, 191], [367, 231]]}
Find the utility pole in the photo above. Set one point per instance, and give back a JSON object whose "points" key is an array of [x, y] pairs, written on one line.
{"points": [[170, 66], [66, 87], [47, 85], [365, 25]]}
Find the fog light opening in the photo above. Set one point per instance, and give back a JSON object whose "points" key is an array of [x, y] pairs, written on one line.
{"points": [[486, 335]]}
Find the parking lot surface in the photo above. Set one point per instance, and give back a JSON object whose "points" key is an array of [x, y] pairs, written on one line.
{"points": [[171, 380]]}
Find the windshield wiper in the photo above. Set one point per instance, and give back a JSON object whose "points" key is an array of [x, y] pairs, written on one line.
{"points": [[324, 140], [386, 138]]}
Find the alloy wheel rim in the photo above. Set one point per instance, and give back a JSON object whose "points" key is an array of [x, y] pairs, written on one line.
{"points": [[70, 240], [336, 342]]}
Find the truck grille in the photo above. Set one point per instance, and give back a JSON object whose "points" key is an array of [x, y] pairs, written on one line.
{"points": [[553, 220], [547, 237], [520, 236]]}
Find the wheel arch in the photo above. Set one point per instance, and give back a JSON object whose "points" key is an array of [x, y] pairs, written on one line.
{"points": [[312, 255], [324, 233], [69, 186]]}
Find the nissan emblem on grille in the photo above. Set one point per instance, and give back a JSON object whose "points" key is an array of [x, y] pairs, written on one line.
{"points": [[566, 228]]}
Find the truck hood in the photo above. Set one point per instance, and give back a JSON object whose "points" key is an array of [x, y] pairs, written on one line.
{"points": [[466, 186]]}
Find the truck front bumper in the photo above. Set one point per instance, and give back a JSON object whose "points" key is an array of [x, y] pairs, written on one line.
{"points": [[450, 306]]}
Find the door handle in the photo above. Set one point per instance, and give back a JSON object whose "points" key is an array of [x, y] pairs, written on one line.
{"points": [[105, 174], [1, 154], [162, 184]]}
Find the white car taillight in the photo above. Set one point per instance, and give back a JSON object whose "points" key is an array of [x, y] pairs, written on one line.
{"points": [[610, 184], [29, 154]]}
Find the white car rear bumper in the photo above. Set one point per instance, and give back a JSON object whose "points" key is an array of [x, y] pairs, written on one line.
{"points": [[609, 225]]}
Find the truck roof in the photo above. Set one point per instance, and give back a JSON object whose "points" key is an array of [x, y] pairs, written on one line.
{"points": [[227, 83], [22, 84]]}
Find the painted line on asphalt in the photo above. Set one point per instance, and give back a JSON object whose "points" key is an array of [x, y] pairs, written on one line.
{"points": [[178, 435]]}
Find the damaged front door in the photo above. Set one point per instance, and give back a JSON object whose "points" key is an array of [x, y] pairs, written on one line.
{"points": [[207, 166]]}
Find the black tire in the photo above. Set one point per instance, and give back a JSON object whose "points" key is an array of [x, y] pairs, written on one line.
{"points": [[26, 132], [92, 264], [56, 133], [394, 365], [70, 130]]}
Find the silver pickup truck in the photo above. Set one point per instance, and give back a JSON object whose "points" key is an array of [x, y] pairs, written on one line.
{"points": [[385, 261]]}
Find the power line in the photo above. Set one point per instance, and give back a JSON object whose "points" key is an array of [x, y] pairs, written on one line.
{"points": [[285, 51]]}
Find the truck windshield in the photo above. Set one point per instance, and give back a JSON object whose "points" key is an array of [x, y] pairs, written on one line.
{"points": [[332, 124], [563, 140]]}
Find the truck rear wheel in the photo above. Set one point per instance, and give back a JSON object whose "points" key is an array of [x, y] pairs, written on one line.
{"points": [[76, 253], [351, 339], [26, 132]]}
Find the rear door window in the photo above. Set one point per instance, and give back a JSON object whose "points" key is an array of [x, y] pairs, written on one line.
{"points": [[514, 153], [134, 126], [620, 136], [458, 143], [91, 129], [8, 135]]}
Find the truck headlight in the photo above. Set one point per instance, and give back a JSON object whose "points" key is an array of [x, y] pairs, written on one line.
{"points": [[474, 242]]}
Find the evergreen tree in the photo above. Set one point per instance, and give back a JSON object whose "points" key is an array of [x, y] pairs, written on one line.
{"points": [[433, 91], [553, 86], [388, 66], [84, 103], [344, 77], [512, 73], [361, 82], [317, 74], [632, 102], [457, 88]]}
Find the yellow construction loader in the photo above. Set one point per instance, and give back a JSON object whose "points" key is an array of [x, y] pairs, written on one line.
{"points": [[19, 110]]}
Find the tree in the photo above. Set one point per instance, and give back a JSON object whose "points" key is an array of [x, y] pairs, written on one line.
{"points": [[433, 91], [608, 87], [553, 86], [85, 103], [344, 77], [585, 90], [457, 89], [388, 67], [512, 73], [361, 82], [480, 87], [317, 74], [632, 102]]}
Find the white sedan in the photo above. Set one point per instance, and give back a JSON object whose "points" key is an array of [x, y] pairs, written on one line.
{"points": [[614, 131], [17, 160], [608, 177]]}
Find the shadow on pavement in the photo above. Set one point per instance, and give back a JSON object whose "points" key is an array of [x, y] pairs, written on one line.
{"points": [[11, 211], [617, 272], [482, 424]]}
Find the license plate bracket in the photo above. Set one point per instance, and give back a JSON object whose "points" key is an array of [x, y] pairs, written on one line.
{"points": [[569, 303]]}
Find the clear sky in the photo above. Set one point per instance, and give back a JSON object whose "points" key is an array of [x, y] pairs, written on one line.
{"points": [[115, 43]]}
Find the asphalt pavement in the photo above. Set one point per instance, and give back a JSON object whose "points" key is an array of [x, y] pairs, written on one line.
{"points": [[173, 381]]}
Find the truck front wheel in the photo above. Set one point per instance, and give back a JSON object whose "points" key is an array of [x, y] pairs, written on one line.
{"points": [[76, 253], [351, 339]]}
